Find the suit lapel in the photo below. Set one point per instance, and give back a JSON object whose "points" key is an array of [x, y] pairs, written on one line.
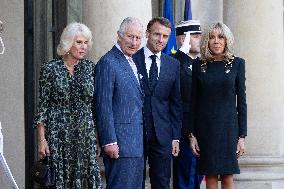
{"points": [[142, 71], [141, 65], [163, 69], [125, 65]]}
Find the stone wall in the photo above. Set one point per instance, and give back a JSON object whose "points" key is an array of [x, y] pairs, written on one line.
{"points": [[12, 89]]}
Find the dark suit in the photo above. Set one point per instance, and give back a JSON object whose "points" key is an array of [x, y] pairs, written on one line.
{"points": [[162, 117], [119, 101], [184, 166]]}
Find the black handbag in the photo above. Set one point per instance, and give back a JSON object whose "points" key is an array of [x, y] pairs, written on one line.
{"points": [[43, 174]]}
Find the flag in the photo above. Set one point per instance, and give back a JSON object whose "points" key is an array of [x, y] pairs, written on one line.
{"points": [[168, 13], [187, 10]]}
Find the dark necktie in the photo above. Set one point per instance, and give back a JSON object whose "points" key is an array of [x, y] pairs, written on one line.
{"points": [[153, 73]]}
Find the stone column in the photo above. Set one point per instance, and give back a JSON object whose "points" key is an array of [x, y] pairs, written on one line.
{"points": [[258, 31], [203, 10], [179, 11], [207, 11], [104, 18]]}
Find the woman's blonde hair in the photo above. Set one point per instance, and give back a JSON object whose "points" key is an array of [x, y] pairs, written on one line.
{"points": [[68, 36], [224, 30]]}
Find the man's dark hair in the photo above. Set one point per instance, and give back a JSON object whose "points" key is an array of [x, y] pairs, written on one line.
{"points": [[161, 20]]}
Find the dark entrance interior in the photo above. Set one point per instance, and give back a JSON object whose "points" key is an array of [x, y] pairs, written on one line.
{"points": [[44, 21]]}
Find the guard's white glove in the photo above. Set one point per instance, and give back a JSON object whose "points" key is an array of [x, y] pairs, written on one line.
{"points": [[186, 43]]}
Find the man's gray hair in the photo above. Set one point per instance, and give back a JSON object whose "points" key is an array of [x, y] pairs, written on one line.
{"points": [[127, 22]]}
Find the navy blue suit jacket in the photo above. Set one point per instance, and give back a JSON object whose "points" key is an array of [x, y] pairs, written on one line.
{"points": [[119, 103], [166, 99]]}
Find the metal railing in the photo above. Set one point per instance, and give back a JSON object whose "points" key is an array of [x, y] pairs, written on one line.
{"points": [[4, 164]]}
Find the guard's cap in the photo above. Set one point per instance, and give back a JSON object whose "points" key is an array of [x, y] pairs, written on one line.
{"points": [[192, 26]]}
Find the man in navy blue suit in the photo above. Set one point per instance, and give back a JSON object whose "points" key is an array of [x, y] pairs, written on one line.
{"points": [[162, 111], [119, 102]]}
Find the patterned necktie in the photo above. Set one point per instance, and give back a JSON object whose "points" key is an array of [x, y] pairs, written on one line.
{"points": [[153, 73], [134, 68]]}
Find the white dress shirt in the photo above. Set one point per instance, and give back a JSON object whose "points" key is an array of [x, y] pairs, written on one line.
{"points": [[148, 60]]}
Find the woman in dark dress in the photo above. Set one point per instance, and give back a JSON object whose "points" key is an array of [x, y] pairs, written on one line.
{"points": [[65, 123], [220, 111]]}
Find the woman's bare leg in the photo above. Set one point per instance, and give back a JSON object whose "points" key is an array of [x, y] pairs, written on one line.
{"points": [[212, 182], [227, 182]]}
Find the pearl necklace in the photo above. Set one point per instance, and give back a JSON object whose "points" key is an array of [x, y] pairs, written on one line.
{"points": [[70, 68]]}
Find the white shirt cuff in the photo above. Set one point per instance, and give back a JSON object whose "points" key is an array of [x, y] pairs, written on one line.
{"points": [[110, 144]]}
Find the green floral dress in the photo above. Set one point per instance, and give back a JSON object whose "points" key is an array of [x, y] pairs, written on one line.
{"points": [[65, 108]]}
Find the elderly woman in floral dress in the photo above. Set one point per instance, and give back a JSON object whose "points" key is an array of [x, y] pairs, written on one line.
{"points": [[65, 122]]}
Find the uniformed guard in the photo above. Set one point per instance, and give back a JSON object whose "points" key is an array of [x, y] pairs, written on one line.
{"points": [[188, 35]]}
